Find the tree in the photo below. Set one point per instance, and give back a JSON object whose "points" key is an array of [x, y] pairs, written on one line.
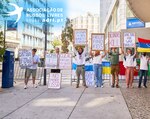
{"points": [[67, 35], [56, 42], [2, 49]]}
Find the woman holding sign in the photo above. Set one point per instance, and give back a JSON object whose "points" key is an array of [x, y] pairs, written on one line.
{"points": [[130, 63], [97, 66]]}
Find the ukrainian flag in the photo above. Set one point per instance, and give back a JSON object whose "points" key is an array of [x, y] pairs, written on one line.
{"points": [[106, 67], [143, 45]]}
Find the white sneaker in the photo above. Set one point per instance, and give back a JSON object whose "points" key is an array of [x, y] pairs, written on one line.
{"points": [[102, 86], [25, 87], [96, 86], [34, 86]]}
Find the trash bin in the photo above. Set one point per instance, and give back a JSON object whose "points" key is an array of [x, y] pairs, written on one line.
{"points": [[8, 69]]}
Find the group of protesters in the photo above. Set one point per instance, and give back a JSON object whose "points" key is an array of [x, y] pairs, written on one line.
{"points": [[129, 61]]}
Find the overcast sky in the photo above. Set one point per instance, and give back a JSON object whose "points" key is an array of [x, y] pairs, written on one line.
{"points": [[80, 7]]}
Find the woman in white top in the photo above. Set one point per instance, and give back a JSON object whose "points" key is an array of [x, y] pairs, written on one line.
{"points": [[143, 70], [97, 66], [129, 64]]}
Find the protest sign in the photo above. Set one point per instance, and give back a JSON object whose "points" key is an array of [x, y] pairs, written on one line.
{"points": [[114, 39], [129, 39], [25, 58], [97, 42], [65, 61], [51, 60], [54, 81], [89, 76], [80, 37]]}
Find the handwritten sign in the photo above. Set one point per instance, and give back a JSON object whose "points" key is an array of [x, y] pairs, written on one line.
{"points": [[54, 81], [89, 76], [98, 41], [80, 37], [65, 61], [114, 39], [25, 58], [129, 39], [51, 60]]}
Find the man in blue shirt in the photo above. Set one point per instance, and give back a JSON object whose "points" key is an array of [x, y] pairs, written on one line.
{"points": [[32, 69]]}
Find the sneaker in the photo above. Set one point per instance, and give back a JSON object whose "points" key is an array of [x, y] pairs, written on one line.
{"points": [[34, 86], [117, 86], [145, 86], [96, 86], [112, 86], [25, 87], [77, 86], [102, 86]]}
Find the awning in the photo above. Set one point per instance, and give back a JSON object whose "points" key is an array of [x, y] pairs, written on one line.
{"points": [[140, 8]]}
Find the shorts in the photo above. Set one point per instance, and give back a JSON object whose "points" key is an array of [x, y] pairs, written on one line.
{"points": [[29, 72], [114, 69]]}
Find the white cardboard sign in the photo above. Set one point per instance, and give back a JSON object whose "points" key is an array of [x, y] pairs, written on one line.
{"points": [[25, 58], [65, 61], [80, 37], [114, 39], [98, 41], [129, 39], [54, 81], [51, 60]]}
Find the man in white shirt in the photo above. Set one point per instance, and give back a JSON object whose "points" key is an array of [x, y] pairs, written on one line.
{"points": [[143, 70], [80, 61], [32, 69]]}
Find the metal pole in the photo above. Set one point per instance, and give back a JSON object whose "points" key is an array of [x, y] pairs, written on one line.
{"points": [[45, 72], [4, 33]]}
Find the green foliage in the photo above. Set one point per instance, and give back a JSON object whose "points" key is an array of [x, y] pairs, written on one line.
{"points": [[56, 42], [2, 49], [67, 35]]}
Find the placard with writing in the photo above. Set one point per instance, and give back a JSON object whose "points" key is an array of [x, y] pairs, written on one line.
{"points": [[65, 61], [80, 37], [98, 42], [51, 60], [129, 39], [114, 39], [54, 81], [25, 58]]}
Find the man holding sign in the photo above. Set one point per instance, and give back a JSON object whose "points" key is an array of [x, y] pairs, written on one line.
{"points": [[32, 69], [80, 60], [114, 43]]}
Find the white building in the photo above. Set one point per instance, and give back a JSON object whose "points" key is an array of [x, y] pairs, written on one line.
{"points": [[89, 21]]}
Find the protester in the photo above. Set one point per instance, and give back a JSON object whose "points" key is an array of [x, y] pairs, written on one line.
{"points": [[97, 66], [114, 59], [56, 69], [80, 61], [143, 70], [130, 63], [32, 70]]}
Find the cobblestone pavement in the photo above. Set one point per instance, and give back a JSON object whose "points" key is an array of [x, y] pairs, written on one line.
{"points": [[138, 101]]}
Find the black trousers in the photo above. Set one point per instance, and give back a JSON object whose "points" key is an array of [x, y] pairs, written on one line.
{"points": [[143, 73]]}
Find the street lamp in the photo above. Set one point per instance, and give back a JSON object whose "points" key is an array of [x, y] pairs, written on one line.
{"points": [[45, 48]]}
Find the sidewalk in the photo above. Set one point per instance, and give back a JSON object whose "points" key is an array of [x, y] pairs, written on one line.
{"points": [[66, 103]]}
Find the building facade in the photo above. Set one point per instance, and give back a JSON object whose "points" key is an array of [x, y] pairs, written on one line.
{"points": [[88, 21]]}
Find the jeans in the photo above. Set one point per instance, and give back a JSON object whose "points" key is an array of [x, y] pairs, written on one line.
{"points": [[98, 74], [143, 73]]}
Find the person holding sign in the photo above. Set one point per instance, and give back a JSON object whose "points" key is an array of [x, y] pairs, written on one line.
{"points": [[130, 63], [114, 59], [32, 69], [80, 60], [97, 66], [143, 69]]}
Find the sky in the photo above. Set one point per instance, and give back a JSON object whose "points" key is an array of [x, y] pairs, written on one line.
{"points": [[80, 7], [76, 8]]}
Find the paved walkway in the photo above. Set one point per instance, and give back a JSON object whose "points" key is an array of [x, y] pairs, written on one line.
{"points": [[66, 103]]}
